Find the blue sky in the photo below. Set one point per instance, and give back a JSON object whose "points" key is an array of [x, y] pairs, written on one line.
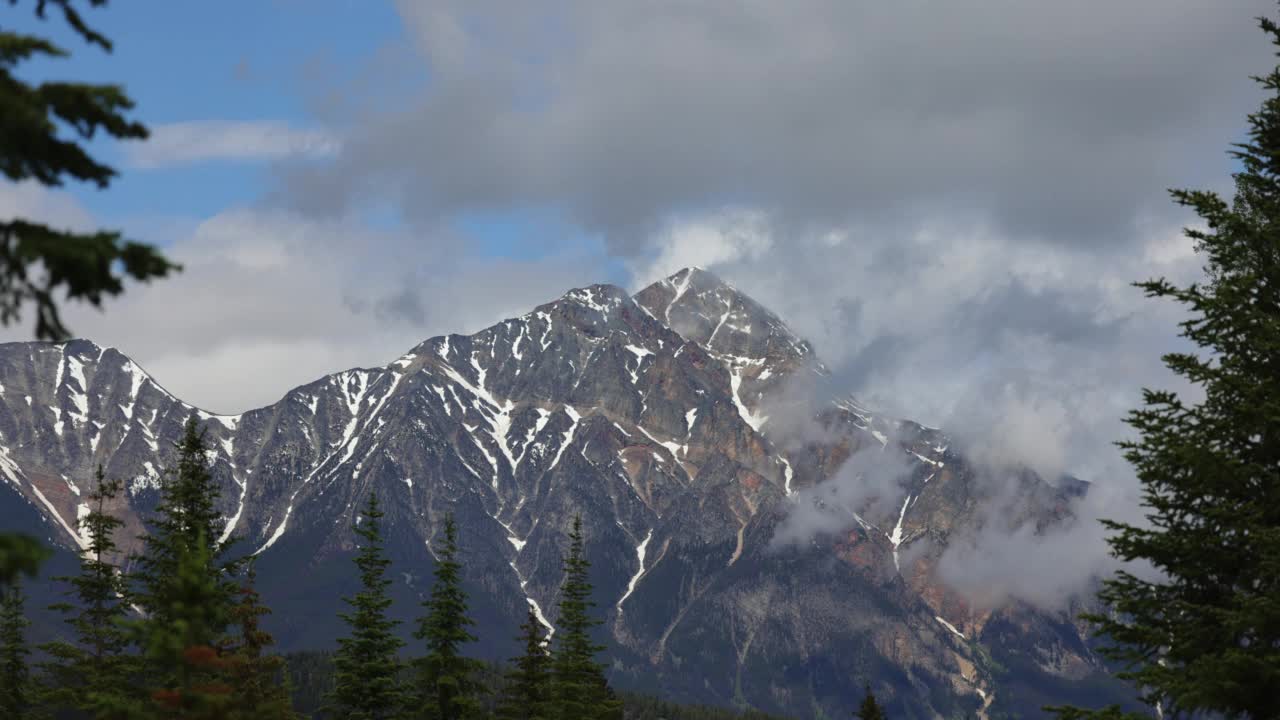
{"points": [[197, 61], [243, 62]]}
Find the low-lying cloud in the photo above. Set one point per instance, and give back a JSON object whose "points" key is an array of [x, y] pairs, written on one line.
{"points": [[1048, 567], [869, 483], [1028, 356], [269, 300]]}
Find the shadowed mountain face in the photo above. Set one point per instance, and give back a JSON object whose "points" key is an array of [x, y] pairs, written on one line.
{"points": [[669, 420]]}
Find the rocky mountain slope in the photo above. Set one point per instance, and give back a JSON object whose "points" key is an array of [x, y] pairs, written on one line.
{"points": [[668, 420]]}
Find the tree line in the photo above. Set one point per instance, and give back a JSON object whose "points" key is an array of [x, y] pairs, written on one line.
{"points": [[311, 678], [179, 633]]}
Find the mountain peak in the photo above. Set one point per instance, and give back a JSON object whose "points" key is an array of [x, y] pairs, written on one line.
{"points": [[697, 276], [705, 309], [603, 298]]}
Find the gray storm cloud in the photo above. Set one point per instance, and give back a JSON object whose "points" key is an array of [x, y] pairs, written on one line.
{"points": [[1043, 120]]}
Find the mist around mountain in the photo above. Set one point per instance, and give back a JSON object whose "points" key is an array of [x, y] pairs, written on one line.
{"points": [[756, 539]]}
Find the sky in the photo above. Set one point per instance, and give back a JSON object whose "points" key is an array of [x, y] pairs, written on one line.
{"points": [[951, 201]]}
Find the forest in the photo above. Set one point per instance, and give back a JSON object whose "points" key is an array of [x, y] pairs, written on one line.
{"points": [[177, 631]]}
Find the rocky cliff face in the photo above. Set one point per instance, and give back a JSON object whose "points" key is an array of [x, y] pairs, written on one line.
{"points": [[647, 414]]}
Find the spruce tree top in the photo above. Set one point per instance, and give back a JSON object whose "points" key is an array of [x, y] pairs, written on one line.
{"points": [[186, 521], [447, 689], [366, 666], [869, 709]]}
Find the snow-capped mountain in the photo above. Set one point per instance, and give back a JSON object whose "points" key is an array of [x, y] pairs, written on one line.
{"points": [[648, 414]]}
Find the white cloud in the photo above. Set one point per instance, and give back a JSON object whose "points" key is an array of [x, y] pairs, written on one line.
{"points": [[1027, 354], [32, 201], [186, 143], [269, 300], [701, 241]]}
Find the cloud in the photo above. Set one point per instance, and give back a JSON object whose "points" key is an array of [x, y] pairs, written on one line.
{"points": [[32, 201], [1046, 567], [1042, 121], [868, 484], [728, 235], [269, 300], [1028, 355], [188, 143], [959, 326]]}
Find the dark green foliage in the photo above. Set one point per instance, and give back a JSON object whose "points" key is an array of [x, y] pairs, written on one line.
{"points": [[446, 688], [579, 688], [645, 707], [185, 519], [869, 709], [527, 691], [91, 670], [15, 680], [255, 674], [185, 675], [310, 681], [185, 588], [312, 672], [37, 261], [19, 555], [1204, 638], [365, 685], [1113, 712]]}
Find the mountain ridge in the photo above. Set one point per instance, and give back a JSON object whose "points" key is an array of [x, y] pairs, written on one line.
{"points": [[593, 403]]}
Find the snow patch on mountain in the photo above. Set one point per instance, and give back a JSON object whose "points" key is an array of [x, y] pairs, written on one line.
{"points": [[631, 584]]}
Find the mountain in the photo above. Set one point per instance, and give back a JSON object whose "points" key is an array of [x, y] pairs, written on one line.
{"points": [[670, 421]]}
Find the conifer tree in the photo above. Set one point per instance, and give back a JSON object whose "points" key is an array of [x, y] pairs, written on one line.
{"points": [[869, 709], [186, 516], [41, 138], [446, 686], [15, 679], [527, 694], [88, 671], [258, 678], [186, 676], [1203, 637], [184, 586], [580, 691], [366, 686]]}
